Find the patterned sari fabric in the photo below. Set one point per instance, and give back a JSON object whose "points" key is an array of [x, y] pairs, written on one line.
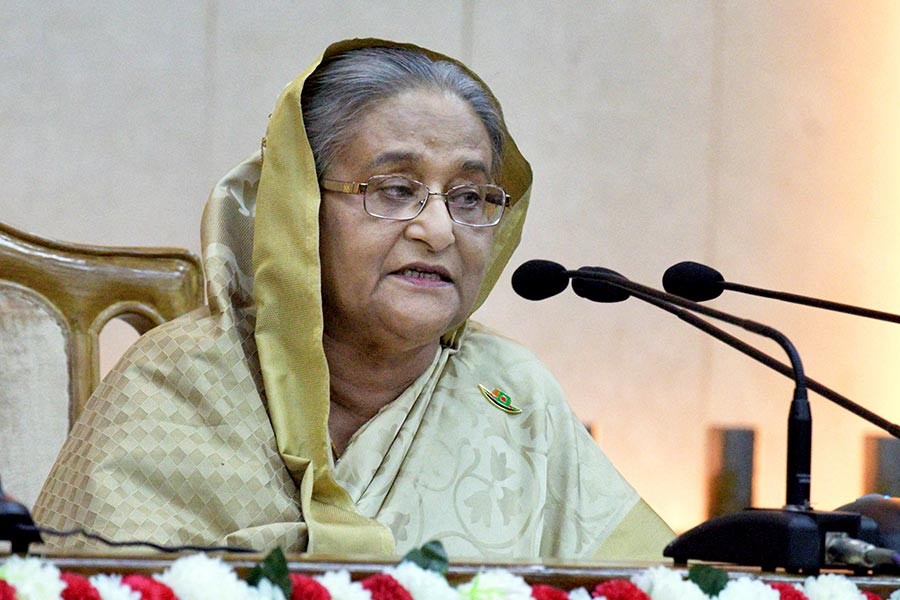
{"points": [[213, 428]]}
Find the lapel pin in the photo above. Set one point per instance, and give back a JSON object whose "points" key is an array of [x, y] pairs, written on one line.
{"points": [[500, 399]]}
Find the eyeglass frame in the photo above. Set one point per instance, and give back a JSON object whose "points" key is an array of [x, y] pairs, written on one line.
{"points": [[356, 188]]}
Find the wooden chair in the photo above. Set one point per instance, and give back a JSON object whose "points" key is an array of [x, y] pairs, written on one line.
{"points": [[55, 298]]}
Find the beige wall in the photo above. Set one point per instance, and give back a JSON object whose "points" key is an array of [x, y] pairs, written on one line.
{"points": [[760, 137]]}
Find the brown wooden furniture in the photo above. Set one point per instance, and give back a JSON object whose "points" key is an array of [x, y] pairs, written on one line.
{"points": [[55, 298], [86, 286]]}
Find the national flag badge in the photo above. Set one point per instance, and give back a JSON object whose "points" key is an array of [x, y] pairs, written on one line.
{"points": [[500, 399]]}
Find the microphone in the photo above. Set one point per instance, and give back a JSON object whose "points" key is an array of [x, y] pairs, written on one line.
{"points": [[598, 291], [693, 281], [698, 282], [793, 537], [533, 272], [799, 420], [540, 279]]}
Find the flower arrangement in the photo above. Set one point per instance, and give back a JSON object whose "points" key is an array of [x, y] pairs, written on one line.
{"points": [[419, 576]]}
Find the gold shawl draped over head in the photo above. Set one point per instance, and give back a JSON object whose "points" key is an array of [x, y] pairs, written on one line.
{"points": [[287, 293]]}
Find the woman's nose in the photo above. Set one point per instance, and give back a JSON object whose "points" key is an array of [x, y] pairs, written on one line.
{"points": [[433, 225]]}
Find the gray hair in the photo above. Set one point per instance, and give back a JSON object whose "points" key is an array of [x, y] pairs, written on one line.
{"points": [[344, 87]]}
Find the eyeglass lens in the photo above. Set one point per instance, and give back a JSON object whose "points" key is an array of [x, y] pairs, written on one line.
{"points": [[393, 197]]}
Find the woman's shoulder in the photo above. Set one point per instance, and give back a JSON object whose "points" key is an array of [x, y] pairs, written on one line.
{"points": [[190, 363], [193, 340]]}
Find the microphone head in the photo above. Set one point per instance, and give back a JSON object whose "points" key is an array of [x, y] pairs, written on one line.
{"points": [[539, 279], [598, 291], [693, 281]]}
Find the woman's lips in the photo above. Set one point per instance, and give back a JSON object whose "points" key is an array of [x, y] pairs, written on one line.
{"points": [[424, 276]]}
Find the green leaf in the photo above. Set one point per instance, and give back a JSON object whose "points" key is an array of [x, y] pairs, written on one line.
{"points": [[710, 579], [431, 557], [274, 568]]}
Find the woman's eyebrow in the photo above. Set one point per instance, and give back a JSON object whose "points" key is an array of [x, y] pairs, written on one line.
{"points": [[476, 166], [393, 158]]}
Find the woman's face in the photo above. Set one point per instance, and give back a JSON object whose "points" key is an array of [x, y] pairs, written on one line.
{"points": [[404, 282]]}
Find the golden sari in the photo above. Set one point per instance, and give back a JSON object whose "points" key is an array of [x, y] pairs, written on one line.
{"points": [[213, 428]]}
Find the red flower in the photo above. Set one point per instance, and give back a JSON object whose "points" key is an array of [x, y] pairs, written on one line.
{"points": [[385, 587], [149, 588], [871, 595], [7, 592], [78, 588], [307, 588], [788, 592], [619, 589], [547, 592]]}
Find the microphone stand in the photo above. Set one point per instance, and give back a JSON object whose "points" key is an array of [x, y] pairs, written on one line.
{"points": [[795, 537], [814, 302]]}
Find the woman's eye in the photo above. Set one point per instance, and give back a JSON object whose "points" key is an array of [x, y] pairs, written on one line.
{"points": [[467, 198], [397, 191]]}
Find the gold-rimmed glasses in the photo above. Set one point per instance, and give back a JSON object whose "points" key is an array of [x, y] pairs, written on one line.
{"points": [[400, 198]]}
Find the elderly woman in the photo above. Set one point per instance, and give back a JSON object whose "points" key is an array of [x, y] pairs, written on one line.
{"points": [[333, 397]]}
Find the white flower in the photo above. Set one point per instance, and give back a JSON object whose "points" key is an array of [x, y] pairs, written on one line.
{"points": [[340, 587], [111, 587], [199, 577], [496, 584], [421, 583], [831, 587], [661, 583], [895, 595], [33, 579], [265, 590], [579, 594], [745, 588]]}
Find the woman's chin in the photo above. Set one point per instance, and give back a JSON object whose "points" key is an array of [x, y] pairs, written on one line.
{"points": [[421, 328]]}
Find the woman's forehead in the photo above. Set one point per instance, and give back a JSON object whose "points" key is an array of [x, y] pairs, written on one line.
{"points": [[400, 158], [418, 126]]}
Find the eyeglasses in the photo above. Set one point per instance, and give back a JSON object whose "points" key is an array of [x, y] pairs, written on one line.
{"points": [[402, 199]]}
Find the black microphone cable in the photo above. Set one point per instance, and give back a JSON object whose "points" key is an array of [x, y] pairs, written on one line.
{"points": [[17, 527], [132, 543]]}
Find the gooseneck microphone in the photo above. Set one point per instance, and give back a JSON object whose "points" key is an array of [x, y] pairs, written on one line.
{"points": [[699, 283], [794, 537], [542, 279]]}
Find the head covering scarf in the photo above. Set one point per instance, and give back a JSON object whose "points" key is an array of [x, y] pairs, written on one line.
{"points": [[287, 294]]}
